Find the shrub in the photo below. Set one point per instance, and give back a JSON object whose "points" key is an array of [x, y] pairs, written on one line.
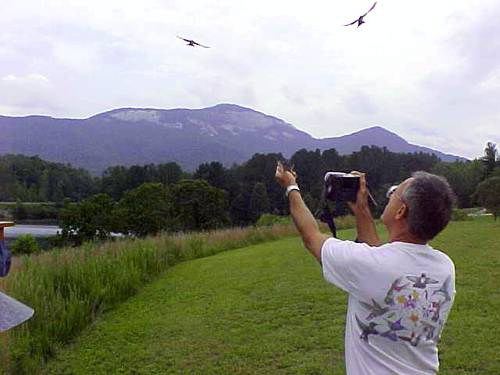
{"points": [[25, 244]]}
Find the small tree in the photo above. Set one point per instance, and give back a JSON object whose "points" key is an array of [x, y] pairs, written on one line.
{"points": [[488, 195], [198, 206], [489, 158], [144, 210], [89, 220], [25, 244]]}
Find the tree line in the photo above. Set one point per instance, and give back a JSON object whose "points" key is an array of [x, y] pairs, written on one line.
{"points": [[147, 199]]}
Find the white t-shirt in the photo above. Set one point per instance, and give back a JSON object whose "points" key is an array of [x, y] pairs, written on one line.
{"points": [[400, 295]]}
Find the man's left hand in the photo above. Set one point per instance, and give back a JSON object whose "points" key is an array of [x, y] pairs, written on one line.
{"points": [[362, 196]]}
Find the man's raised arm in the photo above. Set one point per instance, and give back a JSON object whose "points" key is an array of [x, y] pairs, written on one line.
{"points": [[303, 219]]}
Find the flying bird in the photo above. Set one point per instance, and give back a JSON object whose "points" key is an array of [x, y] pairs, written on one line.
{"points": [[192, 43], [360, 20]]}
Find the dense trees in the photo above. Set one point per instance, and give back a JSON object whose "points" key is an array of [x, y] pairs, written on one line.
{"points": [[189, 205], [31, 179], [147, 199], [118, 179]]}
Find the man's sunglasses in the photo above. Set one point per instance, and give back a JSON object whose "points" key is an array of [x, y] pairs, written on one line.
{"points": [[391, 191]]}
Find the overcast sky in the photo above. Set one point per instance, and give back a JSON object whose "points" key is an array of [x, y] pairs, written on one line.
{"points": [[427, 70]]}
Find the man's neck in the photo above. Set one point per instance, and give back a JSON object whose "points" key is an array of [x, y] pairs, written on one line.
{"points": [[405, 236]]}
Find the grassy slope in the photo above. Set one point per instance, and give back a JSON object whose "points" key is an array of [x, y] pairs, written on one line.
{"points": [[265, 310]]}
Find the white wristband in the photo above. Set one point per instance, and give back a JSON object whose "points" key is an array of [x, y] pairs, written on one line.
{"points": [[291, 188]]}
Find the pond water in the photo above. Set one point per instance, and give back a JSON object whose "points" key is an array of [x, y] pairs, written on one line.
{"points": [[35, 230]]}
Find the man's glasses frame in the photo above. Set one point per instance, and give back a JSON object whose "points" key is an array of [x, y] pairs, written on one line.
{"points": [[391, 191]]}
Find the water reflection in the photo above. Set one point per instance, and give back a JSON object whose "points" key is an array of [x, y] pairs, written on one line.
{"points": [[35, 230]]}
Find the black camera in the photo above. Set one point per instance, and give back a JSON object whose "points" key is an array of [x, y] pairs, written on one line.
{"points": [[341, 187]]}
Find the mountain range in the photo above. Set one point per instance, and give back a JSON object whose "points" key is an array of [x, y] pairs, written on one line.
{"points": [[226, 132]]}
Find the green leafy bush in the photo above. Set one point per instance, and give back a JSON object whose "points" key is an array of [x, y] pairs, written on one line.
{"points": [[25, 244]]}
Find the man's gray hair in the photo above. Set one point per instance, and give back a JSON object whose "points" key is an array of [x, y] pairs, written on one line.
{"points": [[429, 199]]}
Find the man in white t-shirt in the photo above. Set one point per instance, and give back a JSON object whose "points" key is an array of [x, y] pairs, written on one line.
{"points": [[401, 292]]}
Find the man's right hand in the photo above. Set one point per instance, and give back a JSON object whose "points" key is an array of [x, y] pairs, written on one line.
{"points": [[285, 177]]}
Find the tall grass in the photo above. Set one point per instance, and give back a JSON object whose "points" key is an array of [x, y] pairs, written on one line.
{"points": [[69, 288]]}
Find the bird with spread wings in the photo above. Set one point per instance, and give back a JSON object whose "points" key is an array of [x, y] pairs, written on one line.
{"points": [[191, 42], [360, 20]]}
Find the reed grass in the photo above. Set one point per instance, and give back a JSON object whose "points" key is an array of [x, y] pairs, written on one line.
{"points": [[69, 288]]}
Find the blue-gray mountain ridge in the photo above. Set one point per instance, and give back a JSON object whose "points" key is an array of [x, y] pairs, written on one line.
{"points": [[226, 132]]}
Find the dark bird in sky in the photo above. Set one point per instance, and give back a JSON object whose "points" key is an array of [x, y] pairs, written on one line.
{"points": [[360, 20], [191, 42]]}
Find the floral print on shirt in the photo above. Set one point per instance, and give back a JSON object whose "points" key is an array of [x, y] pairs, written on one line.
{"points": [[414, 309]]}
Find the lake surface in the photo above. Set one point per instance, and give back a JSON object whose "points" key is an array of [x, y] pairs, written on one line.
{"points": [[35, 230]]}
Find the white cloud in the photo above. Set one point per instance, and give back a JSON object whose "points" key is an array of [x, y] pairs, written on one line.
{"points": [[33, 91], [30, 79]]}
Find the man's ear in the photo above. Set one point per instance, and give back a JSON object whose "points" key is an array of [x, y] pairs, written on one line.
{"points": [[401, 212]]}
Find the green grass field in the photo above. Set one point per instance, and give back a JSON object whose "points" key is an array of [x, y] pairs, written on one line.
{"points": [[265, 309]]}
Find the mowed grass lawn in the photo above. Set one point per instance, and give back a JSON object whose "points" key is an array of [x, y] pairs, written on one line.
{"points": [[265, 309]]}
